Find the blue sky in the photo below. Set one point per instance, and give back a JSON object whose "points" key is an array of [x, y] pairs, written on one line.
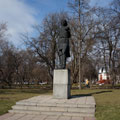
{"points": [[21, 15], [44, 7]]}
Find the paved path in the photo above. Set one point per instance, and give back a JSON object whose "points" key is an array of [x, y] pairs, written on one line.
{"points": [[10, 116], [48, 104]]}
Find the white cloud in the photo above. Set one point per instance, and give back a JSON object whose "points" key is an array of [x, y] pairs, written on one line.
{"points": [[19, 17]]}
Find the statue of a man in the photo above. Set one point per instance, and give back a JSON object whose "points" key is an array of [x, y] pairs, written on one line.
{"points": [[63, 44]]}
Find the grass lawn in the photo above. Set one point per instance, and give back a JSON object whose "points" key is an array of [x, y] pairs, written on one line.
{"points": [[107, 103], [107, 108], [8, 97]]}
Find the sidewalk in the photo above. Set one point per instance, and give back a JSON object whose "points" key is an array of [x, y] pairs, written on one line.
{"points": [[10, 116]]}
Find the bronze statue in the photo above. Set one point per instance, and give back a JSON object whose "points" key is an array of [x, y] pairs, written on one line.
{"points": [[63, 44]]}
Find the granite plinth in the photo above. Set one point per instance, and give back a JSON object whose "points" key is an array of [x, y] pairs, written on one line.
{"points": [[61, 84]]}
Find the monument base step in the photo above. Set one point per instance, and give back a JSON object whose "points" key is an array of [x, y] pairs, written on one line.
{"points": [[54, 109], [46, 105], [52, 113]]}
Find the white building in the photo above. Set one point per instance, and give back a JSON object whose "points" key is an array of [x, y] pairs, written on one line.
{"points": [[103, 77]]}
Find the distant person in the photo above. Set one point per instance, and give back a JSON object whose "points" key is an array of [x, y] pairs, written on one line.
{"points": [[87, 83]]}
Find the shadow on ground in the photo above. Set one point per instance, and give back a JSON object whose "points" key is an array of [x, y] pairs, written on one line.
{"points": [[89, 94]]}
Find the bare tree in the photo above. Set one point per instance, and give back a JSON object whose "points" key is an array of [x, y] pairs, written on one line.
{"points": [[45, 45], [82, 26], [108, 38]]}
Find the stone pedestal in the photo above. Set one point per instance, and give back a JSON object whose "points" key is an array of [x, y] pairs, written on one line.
{"points": [[61, 84]]}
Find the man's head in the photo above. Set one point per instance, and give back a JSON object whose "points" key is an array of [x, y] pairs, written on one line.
{"points": [[64, 22]]}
